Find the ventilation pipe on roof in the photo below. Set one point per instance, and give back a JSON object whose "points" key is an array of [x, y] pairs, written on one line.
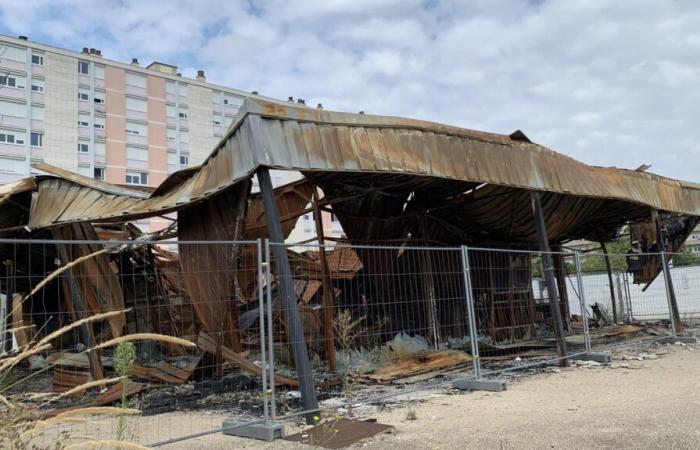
{"points": [[134, 61], [98, 53], [362, 113], [85, 50], [21, 37], [200, 76], [254, 92], [319, 106], [301, 101], [290, 99]]}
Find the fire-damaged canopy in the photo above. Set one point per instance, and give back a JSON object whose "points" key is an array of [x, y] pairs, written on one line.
{"points": [[386, 178]]}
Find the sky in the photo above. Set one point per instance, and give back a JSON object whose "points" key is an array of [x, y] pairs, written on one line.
{"points": [[610, 83]]}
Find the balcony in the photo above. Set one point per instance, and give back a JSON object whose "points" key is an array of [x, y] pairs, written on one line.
{"points": [[7, 177], [83, 79], [99, 82], [230, 110], [37, 70], [37, 153], [172, 145], [84, 157], [12, 149], [100, 108], [38, 125], [100, 133], [15, 65], [38, 97], [171, 121], [136, 139], [84, 132], [13, 121], [7, 91], [172, 168], [84, 105], [184, 147]]}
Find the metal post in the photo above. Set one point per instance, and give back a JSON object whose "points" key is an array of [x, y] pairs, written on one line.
{"points": [[670, 291], [288, 296], [608, 268], [541, 229], [669, 296], [471, 320], [582, 302], [9, 287], [271, 340], [263, 359]]}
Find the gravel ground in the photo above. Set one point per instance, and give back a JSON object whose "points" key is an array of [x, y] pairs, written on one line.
{"points": [[647, 398]]}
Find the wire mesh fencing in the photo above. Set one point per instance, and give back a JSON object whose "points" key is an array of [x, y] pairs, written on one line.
{"points": [[162, 328], [262, 332]]}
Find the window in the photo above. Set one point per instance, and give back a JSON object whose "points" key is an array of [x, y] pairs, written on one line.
{"points": [[84, 95], [37, 112], [137, 129], [12, 165], [134, 79], [100, 123], [225, 101], [8, 108], [184, 160], [99, 173], [182, 89], [83, 123], [99, 72], [170, 87], [38, 60], [217, 122], [99, 148], [136, 153], [333, 218], [307, 216], [170, 134], [136, 104], [38, 85], [99, 97], [83, 67], [140, 178], [183, 115], [36, 139], [14, 53], [8, 80], [170, 111], [83, 147], [11, 137], [184, 136]]}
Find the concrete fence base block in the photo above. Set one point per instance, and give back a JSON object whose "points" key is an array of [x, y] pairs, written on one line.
{"points": [[470, 384], [257, 430], [602, 358], [681, 339]]}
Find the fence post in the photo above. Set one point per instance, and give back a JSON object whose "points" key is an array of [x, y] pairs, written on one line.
{"points": [[269, 430], [261, 316], [476, 383], [667, 281], [582, 301]]}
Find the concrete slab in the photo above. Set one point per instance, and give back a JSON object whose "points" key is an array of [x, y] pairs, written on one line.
{"points": [[602, 358], [674, 339], [253, 430], [470, 384]]}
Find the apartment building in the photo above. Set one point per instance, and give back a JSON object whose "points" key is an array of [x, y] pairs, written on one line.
{"points": [[121, 123]]}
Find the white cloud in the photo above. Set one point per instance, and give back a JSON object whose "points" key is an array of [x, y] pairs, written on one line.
{"points": [[609, 83]]}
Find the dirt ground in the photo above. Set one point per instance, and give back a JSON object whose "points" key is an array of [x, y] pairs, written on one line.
{"points": [[654, 403], [634, 403]]}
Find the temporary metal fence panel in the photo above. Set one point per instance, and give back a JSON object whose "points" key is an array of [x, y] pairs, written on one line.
{"points": [[371, 315], [206, 293]]}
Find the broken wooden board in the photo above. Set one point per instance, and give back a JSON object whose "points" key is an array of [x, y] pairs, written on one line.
{"points": [[79, 360], [165, 372], [65, 378], [206, 343], [111, 395], [339, 433], [419, 364]]}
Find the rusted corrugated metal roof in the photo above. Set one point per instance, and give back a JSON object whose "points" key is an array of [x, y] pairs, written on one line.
{"points": [[287, 137]]}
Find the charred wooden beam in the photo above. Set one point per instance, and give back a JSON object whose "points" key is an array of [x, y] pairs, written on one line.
{"points": [[561, 284], [608, 269], [9, 291], [661, 241], [289, 296], [541, 229], [326, 284], [429, 284]]}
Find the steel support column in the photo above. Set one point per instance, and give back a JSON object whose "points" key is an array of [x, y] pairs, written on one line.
{"points": [[549, 274], [289, 296]]}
